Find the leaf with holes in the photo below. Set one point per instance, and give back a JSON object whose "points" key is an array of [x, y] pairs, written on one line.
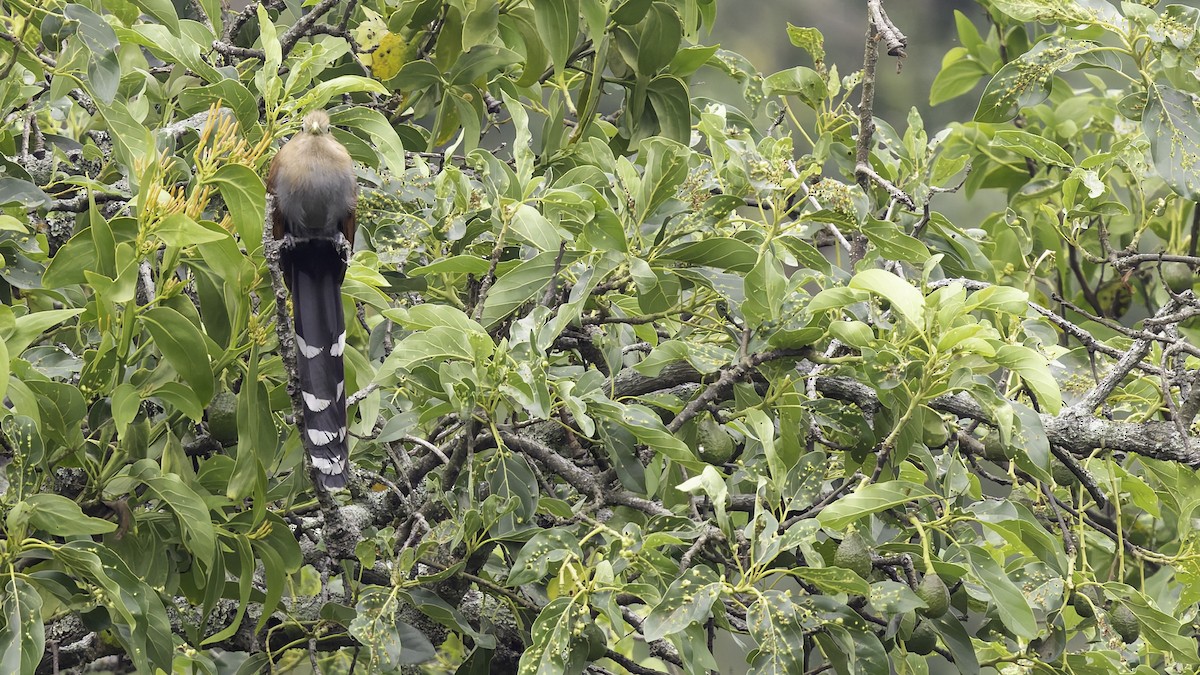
{"points": [[1026, 81], [1172, 123], [23, 637], [543, 548], [689, 599], [775, 623]]}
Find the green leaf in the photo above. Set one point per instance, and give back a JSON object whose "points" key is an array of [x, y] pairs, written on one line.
{"points": [[181, 397], [429, 315], [101, 43], [132, 139], [415, 76], [480, 61], [341, 85], [1159, 629], [529, 224], [558, 25], [544, 547], [777, 624], [162, 10], [536, 58], [688, 60], [669, 97], [834, 579], [666, 169], [520, 284], [799, 81], [181, 231], [725, 253], [704, 358], [689, 599], [441, 343], [554, 647], [905, 299], [650, 431], [512, 479], [894, 244], [23, 192], [183, 48], [956, 638], [1034, 369], [281, 557], [1046, 11], [30, 327], [182, 344], [1027, 80], [955, 79], [199, 535], [380, 133], [1018, 526], [228, 92], [809, 39], [245, 196], [1010, 602], [375, 629], [62, 409], [1033, 448], [765, 287], [838, 297], [62, 517], [869, 499], [257, 436], [710, 483], [661, 32], [1033, 146], [894, 597], [243, 571], [131, 602], [1172, 123], [22, 636], [630, 12], [5, 368], [455, 264]]}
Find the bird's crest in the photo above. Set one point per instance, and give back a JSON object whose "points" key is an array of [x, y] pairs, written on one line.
{"points": [[316, 122]]}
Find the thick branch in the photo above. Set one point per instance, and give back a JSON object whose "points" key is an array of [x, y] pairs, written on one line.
{"points": [[1076, 433]]}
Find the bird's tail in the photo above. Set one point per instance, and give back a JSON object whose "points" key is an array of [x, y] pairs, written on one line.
{"points": [[314, 270]]}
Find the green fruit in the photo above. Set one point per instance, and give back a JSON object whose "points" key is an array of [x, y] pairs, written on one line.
{"points": [[935, 594], [1085, 601], [994, 449], [222, 418], [923, 639], [854, 554], [1177, 276], [1124, 623], [1115, 297], [597, 641], [713, 442], [934, 432], [1062, 474]]}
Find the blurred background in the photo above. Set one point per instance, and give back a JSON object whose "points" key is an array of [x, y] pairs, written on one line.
{"points": [[756, 29]]}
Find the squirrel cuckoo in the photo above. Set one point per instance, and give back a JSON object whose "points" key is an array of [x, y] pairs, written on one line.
{"points": [[315, 191]]}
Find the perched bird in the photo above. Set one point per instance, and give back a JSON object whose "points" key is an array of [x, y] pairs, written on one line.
{"points": [[312, 181]]}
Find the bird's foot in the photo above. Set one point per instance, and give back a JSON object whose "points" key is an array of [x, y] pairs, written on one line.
{"points": [[287, 243]]}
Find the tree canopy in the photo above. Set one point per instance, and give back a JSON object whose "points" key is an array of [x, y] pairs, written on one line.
{"points": [[643, 378]]}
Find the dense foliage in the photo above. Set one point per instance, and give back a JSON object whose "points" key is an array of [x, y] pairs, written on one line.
{"points": [[639, 377]]}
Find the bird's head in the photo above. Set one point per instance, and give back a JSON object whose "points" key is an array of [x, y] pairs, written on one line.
{"points": [[316, 123]]}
